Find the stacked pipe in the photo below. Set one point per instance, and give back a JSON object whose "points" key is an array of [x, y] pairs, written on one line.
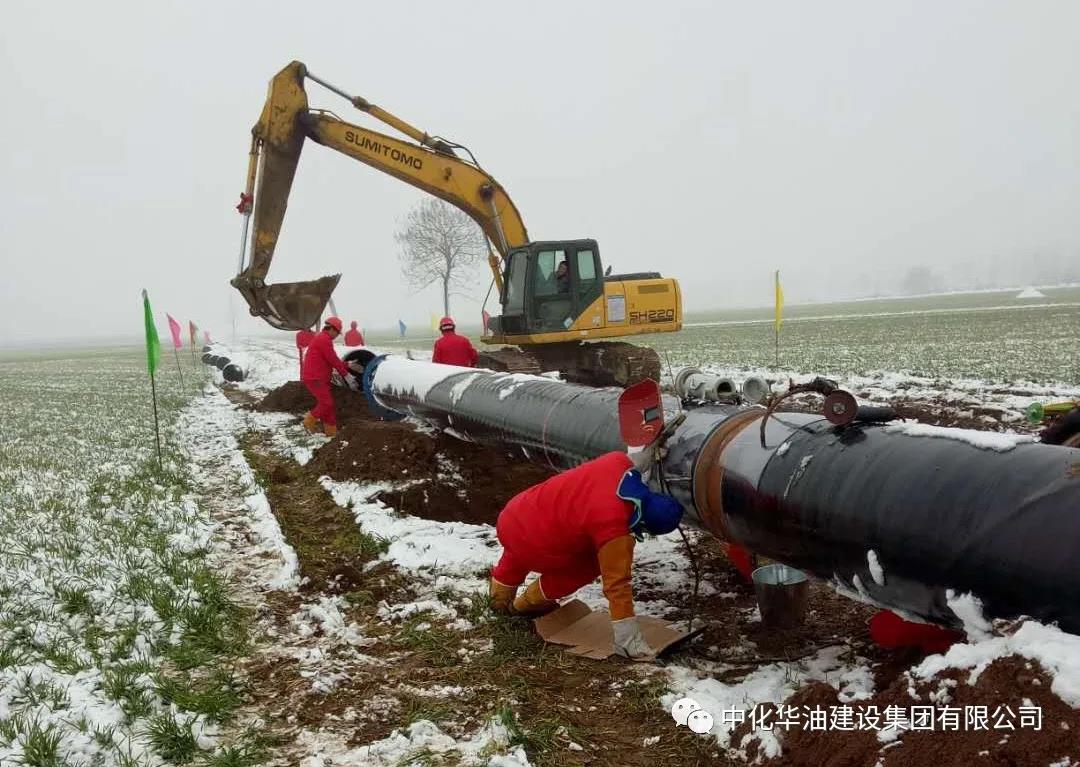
{"points": [[891, 517], [230, 370], [693, 384]]}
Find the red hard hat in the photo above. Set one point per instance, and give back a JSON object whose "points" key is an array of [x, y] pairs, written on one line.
{"points": [[334, 323], [446, 323]]}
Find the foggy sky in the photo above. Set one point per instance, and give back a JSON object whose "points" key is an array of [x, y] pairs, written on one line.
{"points": [[836, 141]]}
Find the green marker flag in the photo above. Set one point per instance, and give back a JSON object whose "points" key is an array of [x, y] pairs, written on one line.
{"points": [[153, 354], [153, 345]]}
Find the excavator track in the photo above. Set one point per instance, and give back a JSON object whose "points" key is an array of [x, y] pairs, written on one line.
{"points": [[600, 363], [509, 360]]}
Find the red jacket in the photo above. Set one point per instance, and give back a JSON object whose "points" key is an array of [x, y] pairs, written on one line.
{"points": [[453, 349], [569, 517], [320, 359], [573, 521]]}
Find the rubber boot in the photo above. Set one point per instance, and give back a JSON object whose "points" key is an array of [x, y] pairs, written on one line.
{"points": [[310, 423], [329, 429], [533, 602], [502, 596]]}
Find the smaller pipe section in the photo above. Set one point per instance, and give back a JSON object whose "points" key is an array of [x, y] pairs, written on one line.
{"points": [[231, 371], [693, 384]]}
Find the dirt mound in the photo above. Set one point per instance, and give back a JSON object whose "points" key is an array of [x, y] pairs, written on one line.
{"points": [[294, 398], [435, 476], [1013, 681]]}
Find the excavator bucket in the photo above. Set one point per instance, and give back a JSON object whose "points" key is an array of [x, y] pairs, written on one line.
{"points": [[278, 137], [290, 305]]}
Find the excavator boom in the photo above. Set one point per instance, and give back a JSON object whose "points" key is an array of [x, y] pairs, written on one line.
{"points": [[431, 165], [558, 302]]}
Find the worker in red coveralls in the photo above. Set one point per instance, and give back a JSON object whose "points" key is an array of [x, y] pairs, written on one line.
{"points": [[452, 349], [574, 527], [353, 337], [320, 362]]}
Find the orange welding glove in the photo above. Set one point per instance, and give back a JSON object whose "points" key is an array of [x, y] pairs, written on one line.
{"points": [[502, 596], [616, 561], [533, 602]]}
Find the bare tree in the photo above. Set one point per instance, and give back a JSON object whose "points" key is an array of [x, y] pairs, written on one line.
{"points": [[441, 244]]}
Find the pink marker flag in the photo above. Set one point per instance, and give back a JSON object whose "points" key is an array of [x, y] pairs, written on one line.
{"points": [[192, 331], [486, 318], [174, 329], [206, 335]]}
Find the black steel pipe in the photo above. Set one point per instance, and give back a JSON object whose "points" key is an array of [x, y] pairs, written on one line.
{"points": [[549, 421], [230, 370], [936, 512]]}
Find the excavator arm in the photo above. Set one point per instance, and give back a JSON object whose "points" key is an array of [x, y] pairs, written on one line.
{"points": [[430, 164]]}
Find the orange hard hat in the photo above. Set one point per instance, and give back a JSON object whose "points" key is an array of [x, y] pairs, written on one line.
{"points": [[446, 323], [333, 322]]}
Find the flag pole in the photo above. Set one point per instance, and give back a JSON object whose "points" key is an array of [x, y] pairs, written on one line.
{"points": [[157, 429], [178, 370], [779, 301], [153, 353]]}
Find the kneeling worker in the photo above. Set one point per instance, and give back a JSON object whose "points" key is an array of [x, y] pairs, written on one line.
{"points": [[574, 527]]}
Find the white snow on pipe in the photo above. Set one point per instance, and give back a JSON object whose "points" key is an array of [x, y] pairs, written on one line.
{"points": [[398, 375], [876, 569], [984, 440]]}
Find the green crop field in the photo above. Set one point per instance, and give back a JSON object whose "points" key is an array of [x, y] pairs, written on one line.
{"points": [[988, 336], [116, 633]]}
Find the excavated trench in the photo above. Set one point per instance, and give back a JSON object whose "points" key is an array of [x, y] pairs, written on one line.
{"points": [[432, 476], [441, 478]]}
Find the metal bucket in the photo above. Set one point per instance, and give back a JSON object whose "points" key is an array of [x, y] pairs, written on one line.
{"points": [[782, 593]]}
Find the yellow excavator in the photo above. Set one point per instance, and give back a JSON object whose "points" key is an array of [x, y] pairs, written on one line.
{"points": [[557, 300]]}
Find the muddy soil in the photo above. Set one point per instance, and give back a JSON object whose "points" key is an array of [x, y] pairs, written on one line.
{"points": [[1011, 681], [431, 476]]}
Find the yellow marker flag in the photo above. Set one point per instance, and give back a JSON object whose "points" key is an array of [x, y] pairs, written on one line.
{"points": [[779, 302], [779, 316], [434, 323]]}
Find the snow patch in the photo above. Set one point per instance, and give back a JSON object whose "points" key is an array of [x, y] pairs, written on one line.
{"points": [[400, 376], [876, 571], [1057, 651], [968, 608], [403, 746], [984, 440]]}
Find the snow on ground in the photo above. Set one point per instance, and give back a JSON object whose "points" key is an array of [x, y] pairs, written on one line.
{"points": [[105, 556], [223, 475], [1057, 651], [420, 739], [456, 555], [732, 704], [456, 549]]}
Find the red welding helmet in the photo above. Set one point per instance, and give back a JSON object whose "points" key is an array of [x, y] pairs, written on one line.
{"points": [[333, 322], [446, 323]]}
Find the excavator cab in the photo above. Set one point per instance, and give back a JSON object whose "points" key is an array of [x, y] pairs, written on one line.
{"points": [[548, 285]]}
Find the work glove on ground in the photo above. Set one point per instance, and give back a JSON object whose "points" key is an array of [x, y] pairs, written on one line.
{"points": [[629, 642]]}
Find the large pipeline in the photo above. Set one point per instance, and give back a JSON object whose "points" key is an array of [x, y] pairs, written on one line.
{"points": [[889, 516]]}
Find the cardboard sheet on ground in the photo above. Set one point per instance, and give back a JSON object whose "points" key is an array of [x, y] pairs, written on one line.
{"points": [[588, 633]]}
